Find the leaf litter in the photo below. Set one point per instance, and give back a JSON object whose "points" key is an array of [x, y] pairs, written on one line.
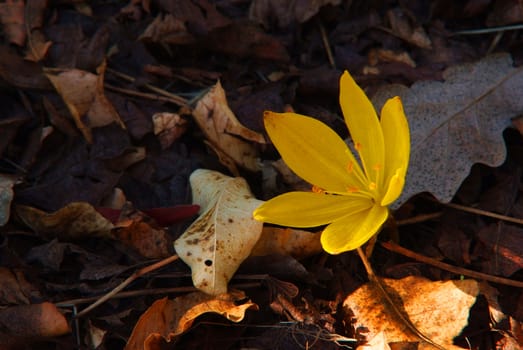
{"points": [[179, 86]]}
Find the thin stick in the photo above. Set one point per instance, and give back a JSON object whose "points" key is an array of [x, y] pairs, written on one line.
{"points": [[483, 212], [406, 321], [128, 281], [326, 45], [180, 100], [393, 247]]}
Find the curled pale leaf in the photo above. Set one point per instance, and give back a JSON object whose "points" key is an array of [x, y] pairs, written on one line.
{"points": [[224, 133], [222, 237]]}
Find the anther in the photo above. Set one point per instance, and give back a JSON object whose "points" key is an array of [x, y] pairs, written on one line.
{"points": [[372, 186], [317, 189], [352, 189], [350, 167]]}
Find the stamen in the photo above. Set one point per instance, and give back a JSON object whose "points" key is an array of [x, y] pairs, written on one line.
{"points": [[357, 146], [377, 167], [317, 189], [352, 189], [372, 186], [350, 167]]}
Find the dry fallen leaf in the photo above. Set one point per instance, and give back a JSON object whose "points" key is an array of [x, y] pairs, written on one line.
{"points": [[225, 135], [6, 196], [457, 123], [168, 127], [13, 21], [286, 241], [166, 319], [21, 324], [286, 12], [15, 289], [222, 237], [439, 310], [152, 243], [83, 93], [75, 220]]}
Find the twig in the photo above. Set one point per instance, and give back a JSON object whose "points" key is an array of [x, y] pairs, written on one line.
{"points": [[326, 44], [140, 94], [128, 281], [154, 291], [179, 100], [373, 278], [393, 247], [418, 218], [488, 30], [483, 212]]}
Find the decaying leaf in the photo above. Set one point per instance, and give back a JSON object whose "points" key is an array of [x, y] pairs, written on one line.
{"points": [[83, 93], [12, 19], [75, 220], [6, 196], [168, 127], [457, 123], [286, 12], [224, 133], [222, 237], [439, 310], [21, 324], [286, 241], [166, 319], [153, 243], [15, 289]]}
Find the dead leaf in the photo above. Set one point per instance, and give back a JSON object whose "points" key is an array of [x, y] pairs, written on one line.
{"points": [[167, 29], [6, 196], [224, 132], [439, 310], [15, 289], [152, 243], [457, 123], [502, 249], [13, 21], [22, 324], [286, 12], [406, 28], [75, 220], [168, 127], [83, 93], [285, 241], [223, 236], [166, 319]]}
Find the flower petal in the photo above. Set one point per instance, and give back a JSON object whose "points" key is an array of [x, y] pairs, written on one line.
{"points": [[314, 151], [397, 139], [364, 128], [308, 209], [353, 230]]}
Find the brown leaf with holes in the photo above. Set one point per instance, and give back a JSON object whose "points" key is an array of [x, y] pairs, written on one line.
{"points": [[224, 132], [223, 236], [83, 93], [439, 310], [75, 220], [166, 319]]}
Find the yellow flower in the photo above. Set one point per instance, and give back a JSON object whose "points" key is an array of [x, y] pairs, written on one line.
{"points": [[350, 198]]}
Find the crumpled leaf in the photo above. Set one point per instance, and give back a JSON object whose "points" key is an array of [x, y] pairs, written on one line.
{"points": [[168, 127], [6, 196], [21, 324], [224, 133], [75, 220], [222, 237], [457, 123], [439, 310], [286, 12], [15, 289], [83, 93], [13, 20], [166, 319], [286, 241]]}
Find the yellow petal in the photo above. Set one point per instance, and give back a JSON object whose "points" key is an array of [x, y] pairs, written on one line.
{"points": [[397, 151], [314, 151], [364, 128], [308, 209], [394, 188], [353, 230]]}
